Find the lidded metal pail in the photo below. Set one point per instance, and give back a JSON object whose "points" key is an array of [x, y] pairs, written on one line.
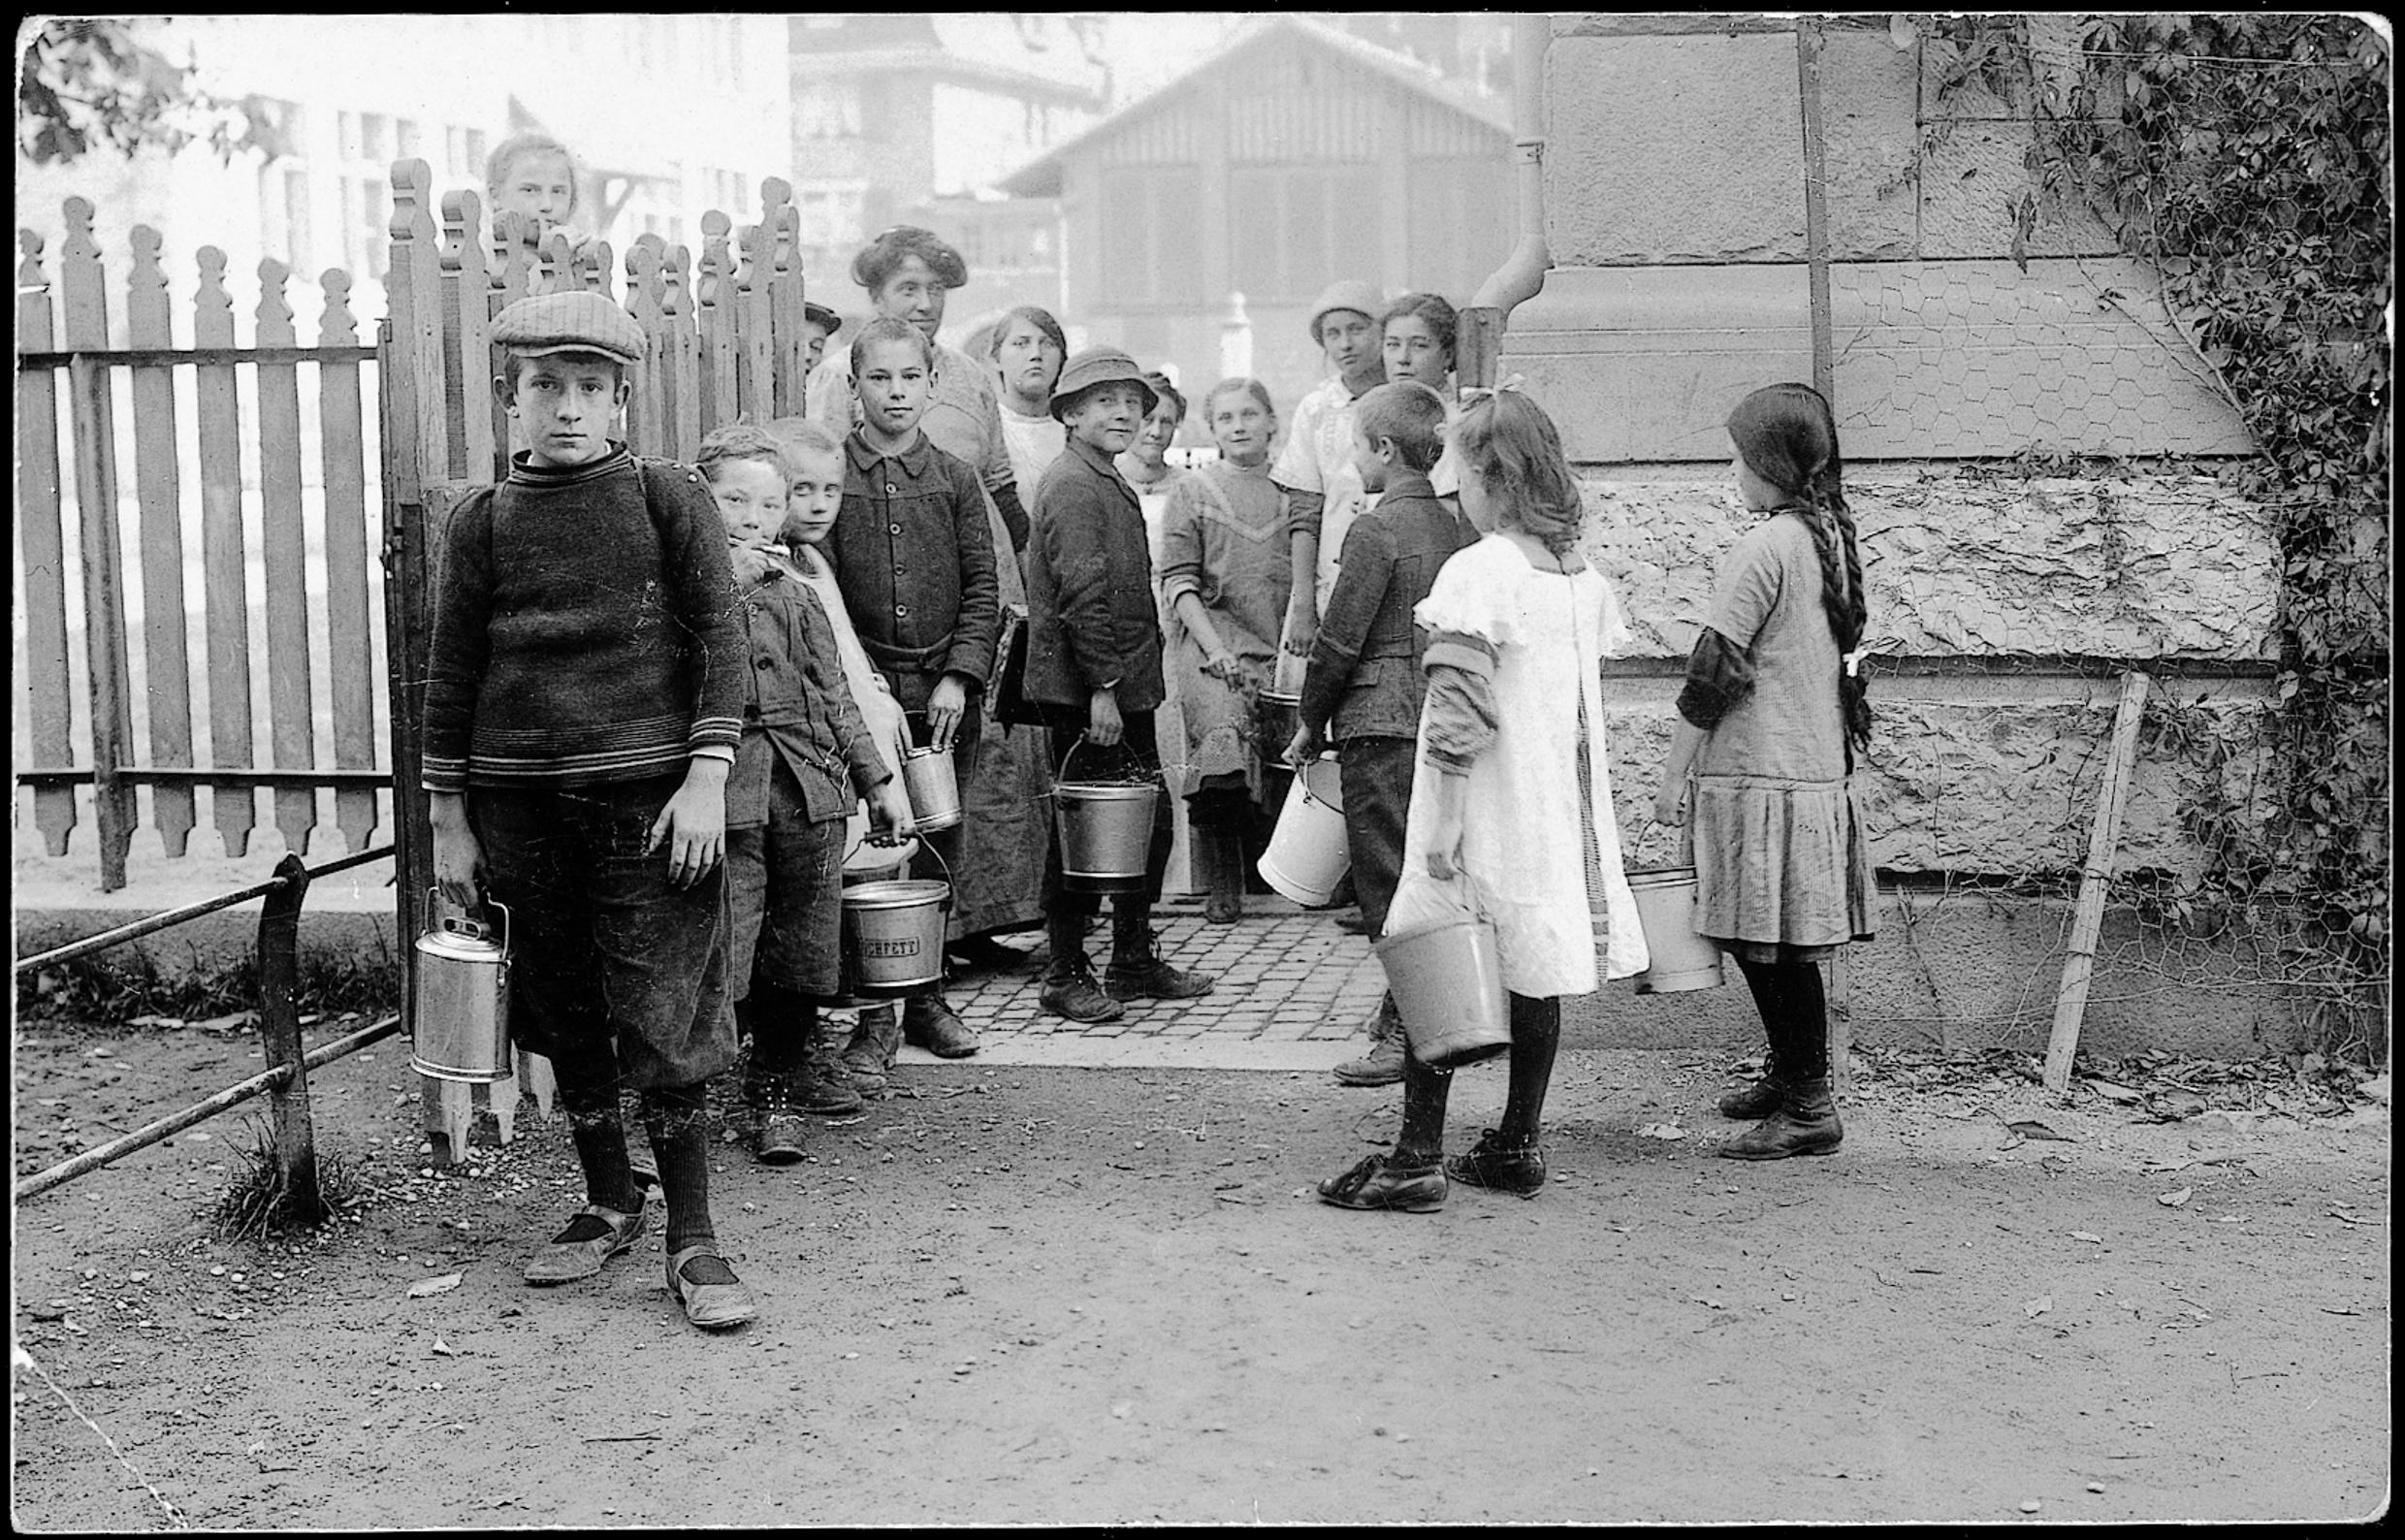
{"points": [[459, 1004]]}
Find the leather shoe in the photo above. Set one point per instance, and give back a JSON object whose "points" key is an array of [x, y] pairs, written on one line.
{"points": [[1382, 1065], [928, 1023], [779, 1142], [1503, 1168], [1155, 980], [1078, 998], [713, 1305], [1379, 1181], [869, 1054], [593, 1238]]}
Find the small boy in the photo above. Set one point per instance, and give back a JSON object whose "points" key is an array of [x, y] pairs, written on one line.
{"points": [[914, 554], [532, 176], [1363, 687], [1324, 494], [584, 699], [805, 747], [1094, 674]]}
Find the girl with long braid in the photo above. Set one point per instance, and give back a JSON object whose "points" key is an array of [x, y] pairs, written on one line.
{"points": [[1771, 715]]}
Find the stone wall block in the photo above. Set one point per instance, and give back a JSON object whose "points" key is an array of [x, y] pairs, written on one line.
{"points": [[1674, 150], [1873, 146]]}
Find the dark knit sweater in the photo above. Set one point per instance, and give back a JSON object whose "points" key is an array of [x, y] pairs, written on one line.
{"points": [[582, 632]]}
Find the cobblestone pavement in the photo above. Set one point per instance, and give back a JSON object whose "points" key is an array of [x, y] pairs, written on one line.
{"points": [[1293, 990]]}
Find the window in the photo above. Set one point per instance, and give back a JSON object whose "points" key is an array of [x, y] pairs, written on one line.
{"points": [[828, 110], [1149, 235], [1292, 230], [467, 148], [369, 143], [833, 213]]}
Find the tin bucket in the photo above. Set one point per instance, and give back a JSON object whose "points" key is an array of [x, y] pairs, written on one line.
{"points": [[1307, 854], [1106, 829], [933, 786], [893, 936], [1277, 717], [1447, 980], [460, 1002], [1679, 959]]}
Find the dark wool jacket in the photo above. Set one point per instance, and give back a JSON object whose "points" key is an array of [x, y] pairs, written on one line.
{"points": [[1364, 678], [1091, 619], [798, 708], [585, 629], [913, 557]]}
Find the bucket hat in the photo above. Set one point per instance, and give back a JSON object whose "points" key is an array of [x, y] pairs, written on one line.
{"points": [[1098, 366], [818, 314], [572, 321], [1345, 294]]}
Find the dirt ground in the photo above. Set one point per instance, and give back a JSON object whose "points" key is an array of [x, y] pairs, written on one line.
{"points": [[1059, 1295]]}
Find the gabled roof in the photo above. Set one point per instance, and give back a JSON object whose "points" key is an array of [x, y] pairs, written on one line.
{"points": [[1041, 177]]}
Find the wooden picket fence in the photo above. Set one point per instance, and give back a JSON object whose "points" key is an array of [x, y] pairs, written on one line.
{"points": [[69, 336]]}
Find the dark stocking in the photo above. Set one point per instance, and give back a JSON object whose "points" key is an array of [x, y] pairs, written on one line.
{"points": [[591, 1101], [1065, 928], [1536, 1031], [1425, 1092], [1795, 1014], [1763, 979], [678, 1123], [780, 1021]]}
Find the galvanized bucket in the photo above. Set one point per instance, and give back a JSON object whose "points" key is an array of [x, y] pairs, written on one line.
{"points": [[933, 786], [459, 1004], [1678, 959], [1308, 854], [893, 936], [1106, 831], [1447, 979]]}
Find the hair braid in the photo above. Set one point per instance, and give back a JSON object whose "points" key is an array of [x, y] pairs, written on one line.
{"points": [[1832, 526]]}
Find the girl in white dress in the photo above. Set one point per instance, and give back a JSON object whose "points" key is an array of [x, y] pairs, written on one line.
{"points": [[1511, 810]]}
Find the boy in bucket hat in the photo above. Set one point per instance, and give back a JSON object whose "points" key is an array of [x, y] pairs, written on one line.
{"points": [[584, 699], [1094, 673], [1323, 488]]}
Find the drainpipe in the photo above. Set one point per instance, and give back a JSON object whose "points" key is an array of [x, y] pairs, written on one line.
{"points": [[1522, 272]]}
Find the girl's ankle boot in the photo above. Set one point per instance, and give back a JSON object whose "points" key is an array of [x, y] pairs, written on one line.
{"points": [[1760, 1099], [1805, 1123]]}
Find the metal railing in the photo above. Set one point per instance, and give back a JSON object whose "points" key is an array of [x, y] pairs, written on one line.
{"points": [[285, 1080]]}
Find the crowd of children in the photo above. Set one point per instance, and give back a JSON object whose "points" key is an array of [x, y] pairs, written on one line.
{"points": [[669, 709]]}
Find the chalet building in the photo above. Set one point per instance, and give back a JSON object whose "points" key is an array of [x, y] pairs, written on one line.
{"points": [[1296, 155], [912, 118]]}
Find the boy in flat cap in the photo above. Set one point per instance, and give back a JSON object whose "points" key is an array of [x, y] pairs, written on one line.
{"points": [[1094, 672], [584, 699]]}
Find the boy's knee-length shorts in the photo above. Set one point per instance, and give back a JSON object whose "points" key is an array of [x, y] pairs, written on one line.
{"points": [[785, 896], [604, 950]]}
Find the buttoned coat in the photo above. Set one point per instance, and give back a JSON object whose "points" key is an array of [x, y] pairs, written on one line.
{"points": [[1091, 619], [914, 554], [1364, 676]]}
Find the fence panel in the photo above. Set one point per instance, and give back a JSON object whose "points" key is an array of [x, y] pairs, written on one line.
{"points": [[284, 542], [157, 485], [43, 551], [350, 637], [224, 563]]}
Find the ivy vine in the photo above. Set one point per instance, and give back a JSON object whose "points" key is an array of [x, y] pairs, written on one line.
{"points": [[2249, 158]]}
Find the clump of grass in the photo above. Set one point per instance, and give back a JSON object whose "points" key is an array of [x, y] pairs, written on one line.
{"points": [[262, 1201], [118, 985]]}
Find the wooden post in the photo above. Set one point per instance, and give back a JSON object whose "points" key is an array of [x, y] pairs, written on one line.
{"points": [[42, 549], [168, 676], [83, 301], [1840, 995], [342, 464], [1815, 203], [225, 562], [283, 539], [279, 1030], [2070, 1001]]}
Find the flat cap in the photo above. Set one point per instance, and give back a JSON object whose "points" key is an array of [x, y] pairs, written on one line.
{"points": [[1098, 366], [1345, 294], [574, 321]]}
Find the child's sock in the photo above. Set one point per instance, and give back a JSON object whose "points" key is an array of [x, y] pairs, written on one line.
{"points": [[678, 1123], [599, 1136], [1131, 930], [1065, 931], [781, 1021], [1536, 1031], [1804, 1053], [1763, 980], [1426, 1090]]}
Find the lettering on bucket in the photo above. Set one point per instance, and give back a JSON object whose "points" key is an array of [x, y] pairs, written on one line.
{"points": [[904, 946]]}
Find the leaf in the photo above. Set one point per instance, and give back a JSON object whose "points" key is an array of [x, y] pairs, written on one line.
{"points": [[431, 1286], [2039, 1307], [2177, 1199], [2088, 1235]]}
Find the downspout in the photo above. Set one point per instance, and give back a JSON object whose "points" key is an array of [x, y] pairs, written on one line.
{"points": [[1522, 272]]}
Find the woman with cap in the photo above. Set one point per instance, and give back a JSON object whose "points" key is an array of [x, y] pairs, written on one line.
{"points": [[1005, 790], [818, 323], [1315, 469], [1094, 672]]}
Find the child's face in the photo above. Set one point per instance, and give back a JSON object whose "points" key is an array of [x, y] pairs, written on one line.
{"points": [[565, 403], [1412, 352], [1350, 338], [751, 495], [816, 498], [1030, 361], [814, 345], [1477, 503], [542, 187], [1152, 439], [1242, 426], [1373, 460], [895, 386], [1107, 417], [1758, 493], [912, 293]]}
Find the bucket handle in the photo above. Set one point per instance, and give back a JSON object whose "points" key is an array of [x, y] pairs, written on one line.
{"points": [[1152, 780], [952, 888], [463, 926], [851, 848]]}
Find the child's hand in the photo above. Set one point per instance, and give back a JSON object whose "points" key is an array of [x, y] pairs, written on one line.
{"points": [[459, 859], [1102, 726], [944, 705], [890, 814], [750, 563], [693, 823], [1670, 803], [1226, 667], [1440, 844], [1305, 749]]}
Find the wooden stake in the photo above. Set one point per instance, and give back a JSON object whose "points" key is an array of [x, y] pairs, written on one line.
{"points": [[2070, 1001]]}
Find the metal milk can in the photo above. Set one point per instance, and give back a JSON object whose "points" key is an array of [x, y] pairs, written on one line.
{"points": [[461, 1015]]}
